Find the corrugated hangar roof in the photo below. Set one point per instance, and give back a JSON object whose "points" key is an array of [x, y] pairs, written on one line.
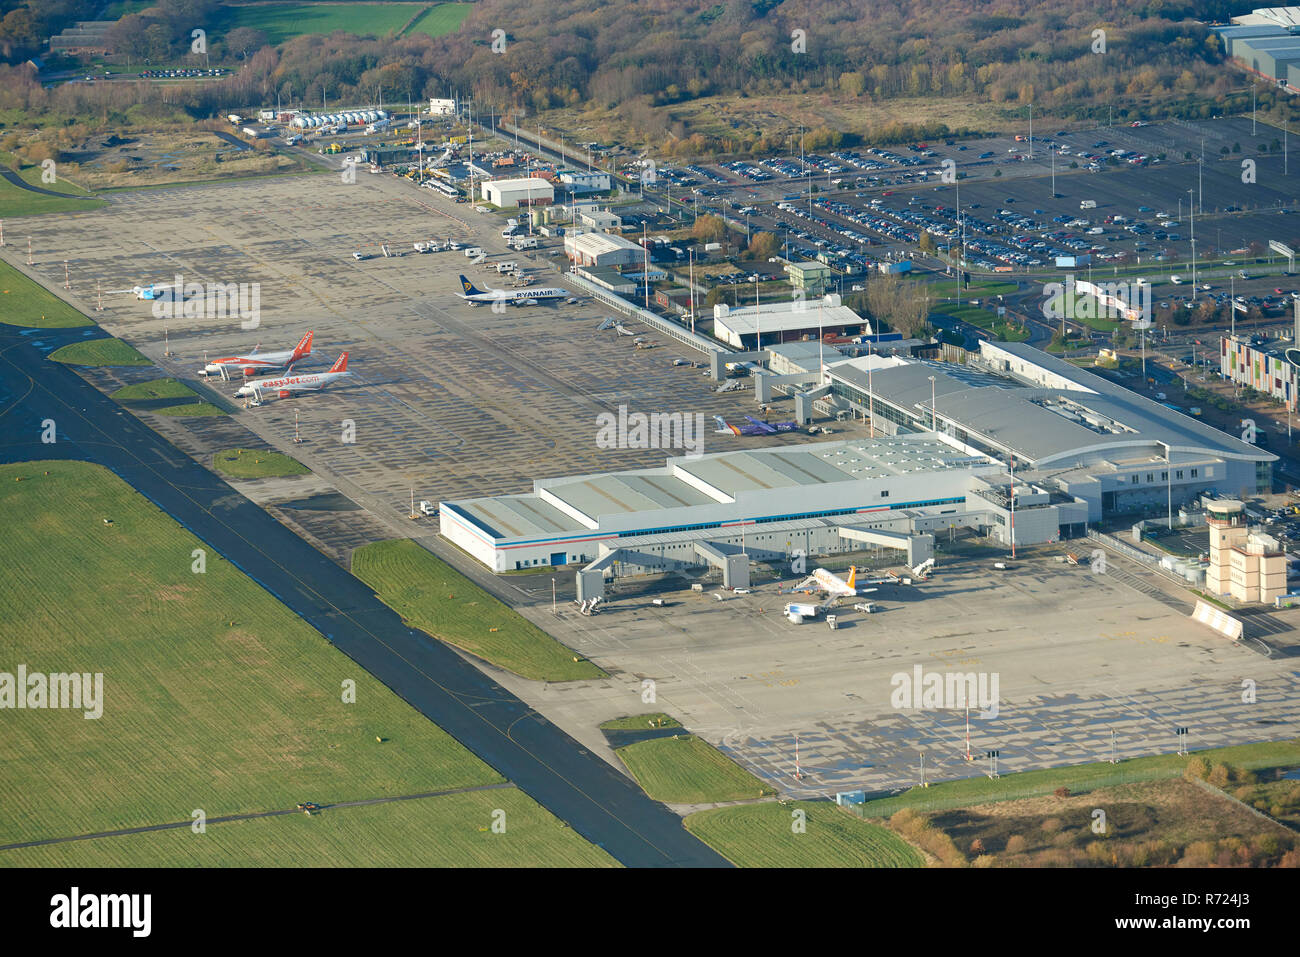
{"points": [[626, 492], [825, 462], [517, 516]]}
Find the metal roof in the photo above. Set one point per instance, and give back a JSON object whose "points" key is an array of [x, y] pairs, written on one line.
{"points": [[822, 463], [769, 317], [517, 516], [596, 243], [1041, 424], [622, 492], [652, 491]]}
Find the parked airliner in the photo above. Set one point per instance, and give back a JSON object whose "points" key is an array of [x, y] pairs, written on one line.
{"points": [[515, 297]]}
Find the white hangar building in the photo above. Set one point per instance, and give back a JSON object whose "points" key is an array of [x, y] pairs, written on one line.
{"points": [[823, 498], [509, 193]]}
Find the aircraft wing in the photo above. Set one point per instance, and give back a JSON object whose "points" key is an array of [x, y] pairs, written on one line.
{"points": [[758, 427]]}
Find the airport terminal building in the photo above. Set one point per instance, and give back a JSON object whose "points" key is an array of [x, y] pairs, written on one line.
{"points": [[1024, 448], [1070, 430]]}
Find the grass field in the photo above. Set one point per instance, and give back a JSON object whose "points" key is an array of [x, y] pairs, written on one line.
{"points": [[16, 201], [252, 463], [189, 408], [977, 289], [986, 319], [451, 830], [440, 19], [100, 352], [688, 770], [216, 696], [154, 389], [1077, 312], [120, 8], [149, 393], [764, 835], [283, 21], [1079, 778], [641, 722], [431, 595], [28, 304]]}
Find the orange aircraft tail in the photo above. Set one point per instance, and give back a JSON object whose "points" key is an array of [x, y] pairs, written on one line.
{"points": [[303, 348]]}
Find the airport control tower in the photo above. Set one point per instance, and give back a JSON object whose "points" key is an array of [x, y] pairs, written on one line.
{"points": [[1246, 564]]}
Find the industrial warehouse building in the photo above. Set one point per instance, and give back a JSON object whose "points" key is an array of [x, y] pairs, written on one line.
{"points": [[812, 278], [579, 182], [752, 327], [602, 249], [510, 193], [597, 220], [609, 278], [1267, 42]]}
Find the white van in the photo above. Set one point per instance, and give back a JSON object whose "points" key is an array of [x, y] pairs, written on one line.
{"points": [[1176, 280]]}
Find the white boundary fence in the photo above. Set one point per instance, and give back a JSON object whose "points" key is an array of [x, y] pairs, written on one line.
{"points": [[658, 323]]}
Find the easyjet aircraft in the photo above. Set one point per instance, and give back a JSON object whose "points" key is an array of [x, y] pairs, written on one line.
{"points": [[259, 361], [285, 385], [836, 587]]}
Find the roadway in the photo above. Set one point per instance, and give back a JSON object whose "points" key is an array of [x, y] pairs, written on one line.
{"points": [[13, 178], [604, 806]]}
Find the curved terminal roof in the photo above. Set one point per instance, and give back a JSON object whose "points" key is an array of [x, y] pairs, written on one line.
{"points": [[1061, 416]]}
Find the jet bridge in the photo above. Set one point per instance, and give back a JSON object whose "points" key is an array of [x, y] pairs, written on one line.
{"points": [[919, 548], [718, 361], [590, 580], [803, 403], [764, 384], [734, 565]]}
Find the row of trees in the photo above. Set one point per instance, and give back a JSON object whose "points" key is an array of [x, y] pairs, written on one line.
{"points": [[25, 25], [633, 55]]}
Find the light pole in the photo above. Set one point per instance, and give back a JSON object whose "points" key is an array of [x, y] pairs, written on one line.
{"points": [[934, 427], [1169, 483], [692, 284], [553, 596]]}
